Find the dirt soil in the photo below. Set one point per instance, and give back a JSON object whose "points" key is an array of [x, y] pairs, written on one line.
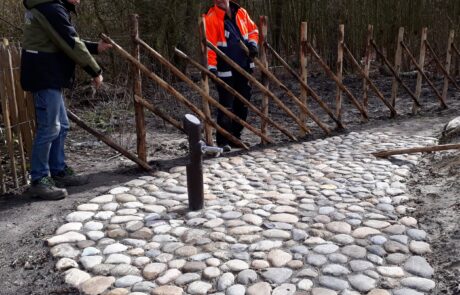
{"points": [[28, 268]]}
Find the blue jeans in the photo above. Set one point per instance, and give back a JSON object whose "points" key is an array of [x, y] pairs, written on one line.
{"points": [[52, 127]]}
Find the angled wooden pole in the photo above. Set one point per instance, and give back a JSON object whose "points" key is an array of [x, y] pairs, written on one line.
{"points": [[286, 90], [448, 63], [395, 74], [263, 32], [203, 94], [305, 86], [339, 72], [366, 78], [176, 94], [424, 76], [421, 66], [367, 65], [108, 141], [205, 81], [235, 93], [441, 66], [137, 90], [397, 67], [331, 74], [256, 83], [303, 70], [167, 118]]}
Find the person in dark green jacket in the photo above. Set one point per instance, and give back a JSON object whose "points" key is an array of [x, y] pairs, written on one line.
{"points": [[51, 49]]}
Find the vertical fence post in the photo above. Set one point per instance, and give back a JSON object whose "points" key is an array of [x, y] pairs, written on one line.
{"points": [[137, 90], [421, 63], [367, 65], [263, 32], [397, 67], [448, 63], [303, 71], [338, 98], [205, 79]]}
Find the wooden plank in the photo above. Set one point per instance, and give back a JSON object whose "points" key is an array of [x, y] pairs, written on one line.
{"points": [[367, 65], [397, 67], [235, 93], [440, 65], [163, 84], [303, 71], [363, 74], [6, 115], [421, 65], [331, 74], [205, 81], [263, 32], [137, 90], [148, 105], [339, 72], [11, 89], [424, 76], [448, 64], [395, 73], [203, 94], [425, 149]]}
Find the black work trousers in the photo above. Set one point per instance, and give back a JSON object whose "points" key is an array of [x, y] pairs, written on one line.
{"points": [[234, 105]]}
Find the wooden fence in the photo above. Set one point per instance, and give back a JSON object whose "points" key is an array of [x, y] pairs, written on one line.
{"points": [[17, 115], [16, 121]]}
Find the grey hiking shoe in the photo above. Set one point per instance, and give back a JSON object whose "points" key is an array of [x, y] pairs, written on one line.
{"points": [[68, 177], [46, 189]]}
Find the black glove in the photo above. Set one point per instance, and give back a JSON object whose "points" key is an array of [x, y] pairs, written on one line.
{"points": [[253, 50]]}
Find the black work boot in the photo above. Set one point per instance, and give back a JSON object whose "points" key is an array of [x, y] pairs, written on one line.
{"points": [[68, 177], [46, 189]]}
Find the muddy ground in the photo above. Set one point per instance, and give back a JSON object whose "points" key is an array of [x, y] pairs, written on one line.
{"points": [[27, 268]]}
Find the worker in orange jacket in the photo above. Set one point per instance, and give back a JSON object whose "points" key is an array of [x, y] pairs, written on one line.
{"points": [[226, 25]]}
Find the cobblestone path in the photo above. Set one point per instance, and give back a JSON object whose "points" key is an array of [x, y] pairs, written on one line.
{"points": [[321, 218]]}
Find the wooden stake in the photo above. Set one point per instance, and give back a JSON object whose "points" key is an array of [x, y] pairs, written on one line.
{"points": [[2, 178], [366, 78], [145, 103], [331, 74], [339, 65], [450, 42], [395, 74], [303, 70], [443, 70], [203, 94], [367, 65], [137, 90], [421, 66], [256, 83], [234, 93], [424, 76], [108, 141], [305, 87], [263, 29], [205, 81], [163, 84], [6, 117], [10, 86], [426, 149], [397, 67]]}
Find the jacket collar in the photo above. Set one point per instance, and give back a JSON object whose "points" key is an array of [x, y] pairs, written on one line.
{"points": [[221, 13]]}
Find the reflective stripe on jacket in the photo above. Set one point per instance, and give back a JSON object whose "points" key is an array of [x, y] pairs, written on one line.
{"points": [[226, 33]]}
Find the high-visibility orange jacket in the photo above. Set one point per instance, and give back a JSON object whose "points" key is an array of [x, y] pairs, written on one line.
{"points": [[226, 33]]}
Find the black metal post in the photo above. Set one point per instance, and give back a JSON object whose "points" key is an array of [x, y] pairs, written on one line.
{"points": [[195, 167]]}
